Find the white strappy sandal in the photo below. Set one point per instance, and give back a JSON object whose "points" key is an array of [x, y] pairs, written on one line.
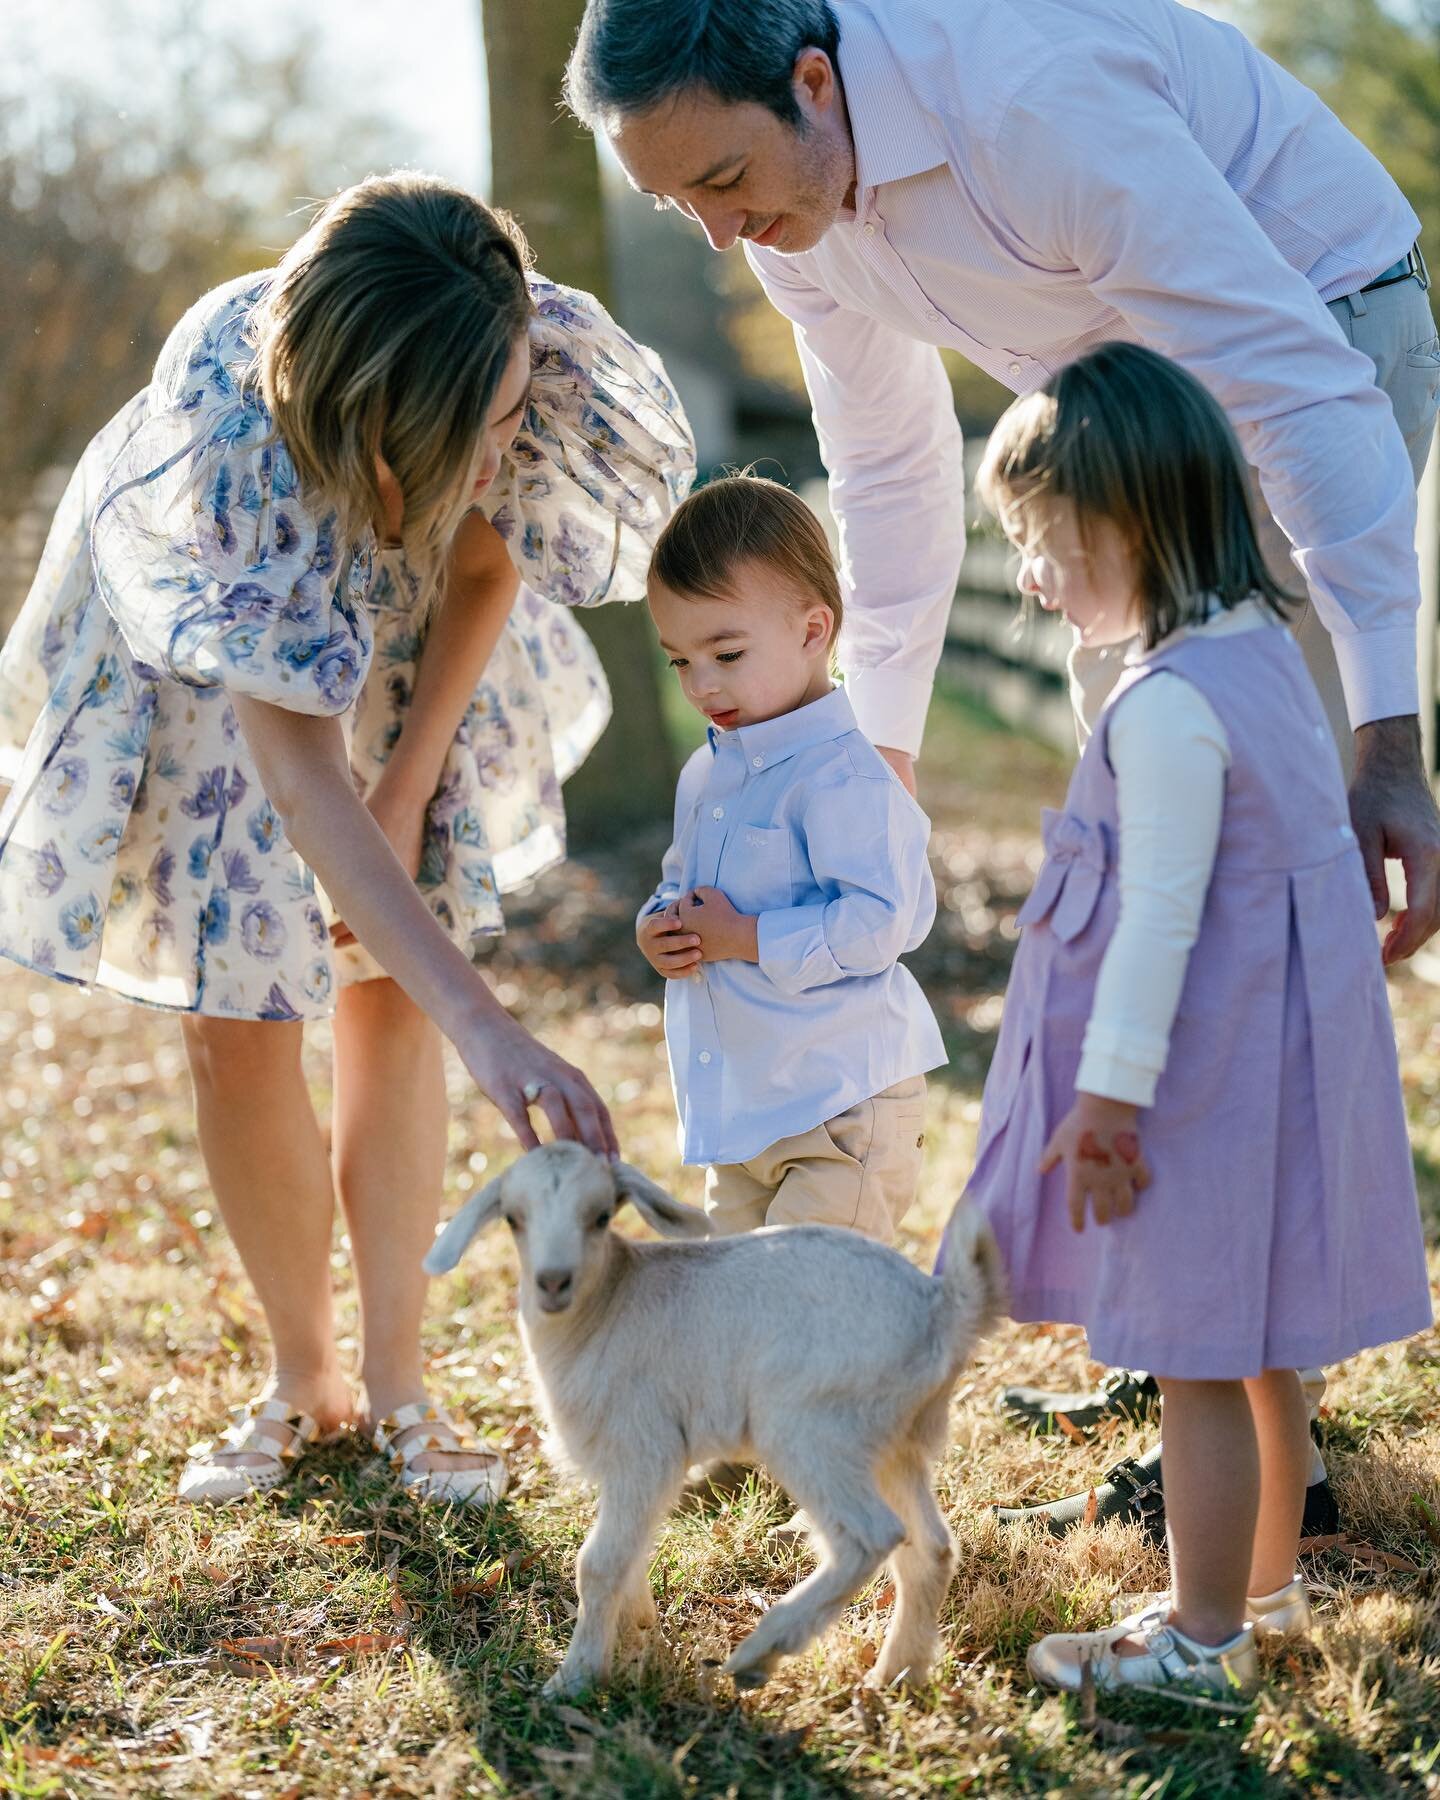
{"points": [[272, 1428], [431, 1430]]}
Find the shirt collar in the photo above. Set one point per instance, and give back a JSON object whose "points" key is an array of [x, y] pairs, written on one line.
{"points": [[891, 133], [771, 741]]}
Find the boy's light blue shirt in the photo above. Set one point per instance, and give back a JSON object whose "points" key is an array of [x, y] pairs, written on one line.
{"points": [[800, 821]]}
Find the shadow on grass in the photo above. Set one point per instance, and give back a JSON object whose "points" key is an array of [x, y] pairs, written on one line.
{"points": [[486, 1601]]}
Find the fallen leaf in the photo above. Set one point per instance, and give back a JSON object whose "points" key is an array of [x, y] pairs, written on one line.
{"points": [[487, 1583], [1369, 1554], [1092, 1507], [257, 1658], [364, 1643], [66, 1434], [344, 1539], [885, 1597], [1070, 1429]]}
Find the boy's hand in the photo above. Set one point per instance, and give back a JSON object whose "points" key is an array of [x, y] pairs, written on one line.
{"points": [[1098, 1141], [666, 945], [724, 934]]}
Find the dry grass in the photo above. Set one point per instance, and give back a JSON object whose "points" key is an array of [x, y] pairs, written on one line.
{"points": [[125, 1328]]}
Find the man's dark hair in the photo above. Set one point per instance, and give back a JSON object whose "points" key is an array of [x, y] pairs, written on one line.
{"points": [[631, 55]]}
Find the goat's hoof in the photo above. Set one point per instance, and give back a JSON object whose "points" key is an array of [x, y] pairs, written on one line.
{"points": [[567, 1684], [749, 1679]]}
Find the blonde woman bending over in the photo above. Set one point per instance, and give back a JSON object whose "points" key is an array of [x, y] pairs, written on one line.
{"points": [[297, 623]]}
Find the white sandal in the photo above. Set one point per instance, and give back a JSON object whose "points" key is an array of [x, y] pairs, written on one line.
{"points": [[482, 1486], [1170, 1659], [272, 1428]]}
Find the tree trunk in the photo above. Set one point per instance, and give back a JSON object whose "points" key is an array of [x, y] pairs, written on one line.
{"points": [[545, 170]]}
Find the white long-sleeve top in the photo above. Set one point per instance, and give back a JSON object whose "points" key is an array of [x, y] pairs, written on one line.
{"points": [[1170, 753], [1036, 177]]}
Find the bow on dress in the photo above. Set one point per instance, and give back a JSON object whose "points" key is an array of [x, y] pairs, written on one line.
{"points": [[1077, 855]]}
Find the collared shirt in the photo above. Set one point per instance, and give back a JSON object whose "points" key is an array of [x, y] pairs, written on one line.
{"points": [[800, 822], [1035, 179]]}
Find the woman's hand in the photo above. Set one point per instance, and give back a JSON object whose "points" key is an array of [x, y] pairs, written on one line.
{"points": [[517, 1072], [1098, 1141], [399, 810]]}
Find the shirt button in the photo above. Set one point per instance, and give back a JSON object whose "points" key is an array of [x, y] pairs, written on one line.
{"points": [[704, 1056], [1321, 734], [757, 762], [869, 231], [717, 812], [932, 315], [1014, 368], [1347, 835]]}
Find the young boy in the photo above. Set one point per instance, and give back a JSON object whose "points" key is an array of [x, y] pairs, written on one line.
{"points": [[798, 1044]]}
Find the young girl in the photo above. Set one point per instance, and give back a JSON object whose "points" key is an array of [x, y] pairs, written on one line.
{"points": [[798, 877], [1193, 1141], [289, 575]]}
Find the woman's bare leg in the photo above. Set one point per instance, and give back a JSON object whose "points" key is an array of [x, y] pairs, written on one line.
{"points": [[269, 1173], [390, 1126]]}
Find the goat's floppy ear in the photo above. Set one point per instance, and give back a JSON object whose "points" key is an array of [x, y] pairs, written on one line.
{"points": [[480, 1210], [667, 1215]]}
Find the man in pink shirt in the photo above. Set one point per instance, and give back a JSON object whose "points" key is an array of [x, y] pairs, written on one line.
{"points": [[1020, 182]]}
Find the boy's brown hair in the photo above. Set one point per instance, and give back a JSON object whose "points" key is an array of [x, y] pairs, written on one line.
{"points": [[1126, 434], [746, 518]]}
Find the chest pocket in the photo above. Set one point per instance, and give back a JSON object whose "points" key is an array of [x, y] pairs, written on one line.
{"points": [[755, 868]]}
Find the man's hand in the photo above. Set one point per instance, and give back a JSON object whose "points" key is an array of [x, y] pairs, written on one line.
{"points": [[725, 935], [903, 764], [1393, 812], [1098, 1141], [666, 945]]}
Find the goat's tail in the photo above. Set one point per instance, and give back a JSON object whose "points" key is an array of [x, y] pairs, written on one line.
{"points": [[971, 1272]]}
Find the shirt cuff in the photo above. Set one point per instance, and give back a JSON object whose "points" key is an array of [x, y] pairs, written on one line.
{"points": [[890, 707], [793, 953], [1378, 673], [1112, 1078]]}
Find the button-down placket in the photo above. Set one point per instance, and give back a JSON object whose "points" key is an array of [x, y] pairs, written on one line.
{"points": [[1016, 370]]}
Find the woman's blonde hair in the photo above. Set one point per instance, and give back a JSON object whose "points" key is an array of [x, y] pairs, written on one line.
{"points": [[1127, 435], [747, 518], [386, 332]]}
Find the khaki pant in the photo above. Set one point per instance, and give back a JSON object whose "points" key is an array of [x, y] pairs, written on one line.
{"points": [[1396, 329], [859, 1169]]}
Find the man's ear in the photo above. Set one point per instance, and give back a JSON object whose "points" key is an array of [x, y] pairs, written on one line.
{"points": [[479, 1211], [661, 1211]]}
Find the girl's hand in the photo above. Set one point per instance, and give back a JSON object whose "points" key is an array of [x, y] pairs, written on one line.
{"points": [[1098, 1141], [400, 814], [724, 934], [518, 1073], [666, 945]]}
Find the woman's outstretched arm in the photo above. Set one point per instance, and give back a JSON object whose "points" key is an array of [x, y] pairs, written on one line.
{"points": [[306, 775]]}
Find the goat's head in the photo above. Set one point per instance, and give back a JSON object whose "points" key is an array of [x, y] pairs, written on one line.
{"points": [[558, 1202]]}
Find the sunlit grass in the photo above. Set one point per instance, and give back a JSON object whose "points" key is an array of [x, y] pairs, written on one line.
{"points": [[126, 1328]]}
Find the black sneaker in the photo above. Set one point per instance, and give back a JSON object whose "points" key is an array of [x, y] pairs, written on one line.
{"points": [[1122, 1394], [1134, 1492]]}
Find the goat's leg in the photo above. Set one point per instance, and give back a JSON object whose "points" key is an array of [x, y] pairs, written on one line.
{"points": [[637, 1608], [923, 1567], [857, 1531], [609, 1571]]}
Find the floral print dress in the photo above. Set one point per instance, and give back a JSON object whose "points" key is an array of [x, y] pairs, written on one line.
{"points": [[138, 851]]}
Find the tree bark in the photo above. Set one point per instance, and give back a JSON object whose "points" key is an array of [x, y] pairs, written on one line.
{"points": [[545, 170]]}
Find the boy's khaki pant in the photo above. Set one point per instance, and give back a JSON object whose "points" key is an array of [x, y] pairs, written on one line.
{"points": [[859, 1169]]}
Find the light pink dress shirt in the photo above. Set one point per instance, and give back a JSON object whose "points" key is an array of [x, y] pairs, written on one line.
{"points": [[1037, 178]]}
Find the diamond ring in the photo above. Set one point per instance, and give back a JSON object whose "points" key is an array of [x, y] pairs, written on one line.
{"points": [[532, 1091]]}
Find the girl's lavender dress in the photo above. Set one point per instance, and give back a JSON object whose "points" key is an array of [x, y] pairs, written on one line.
{"points": [[1282, 1229], [138, 851]]}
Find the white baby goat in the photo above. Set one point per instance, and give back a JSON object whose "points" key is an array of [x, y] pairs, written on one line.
{"points": [[813, 1351]]}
